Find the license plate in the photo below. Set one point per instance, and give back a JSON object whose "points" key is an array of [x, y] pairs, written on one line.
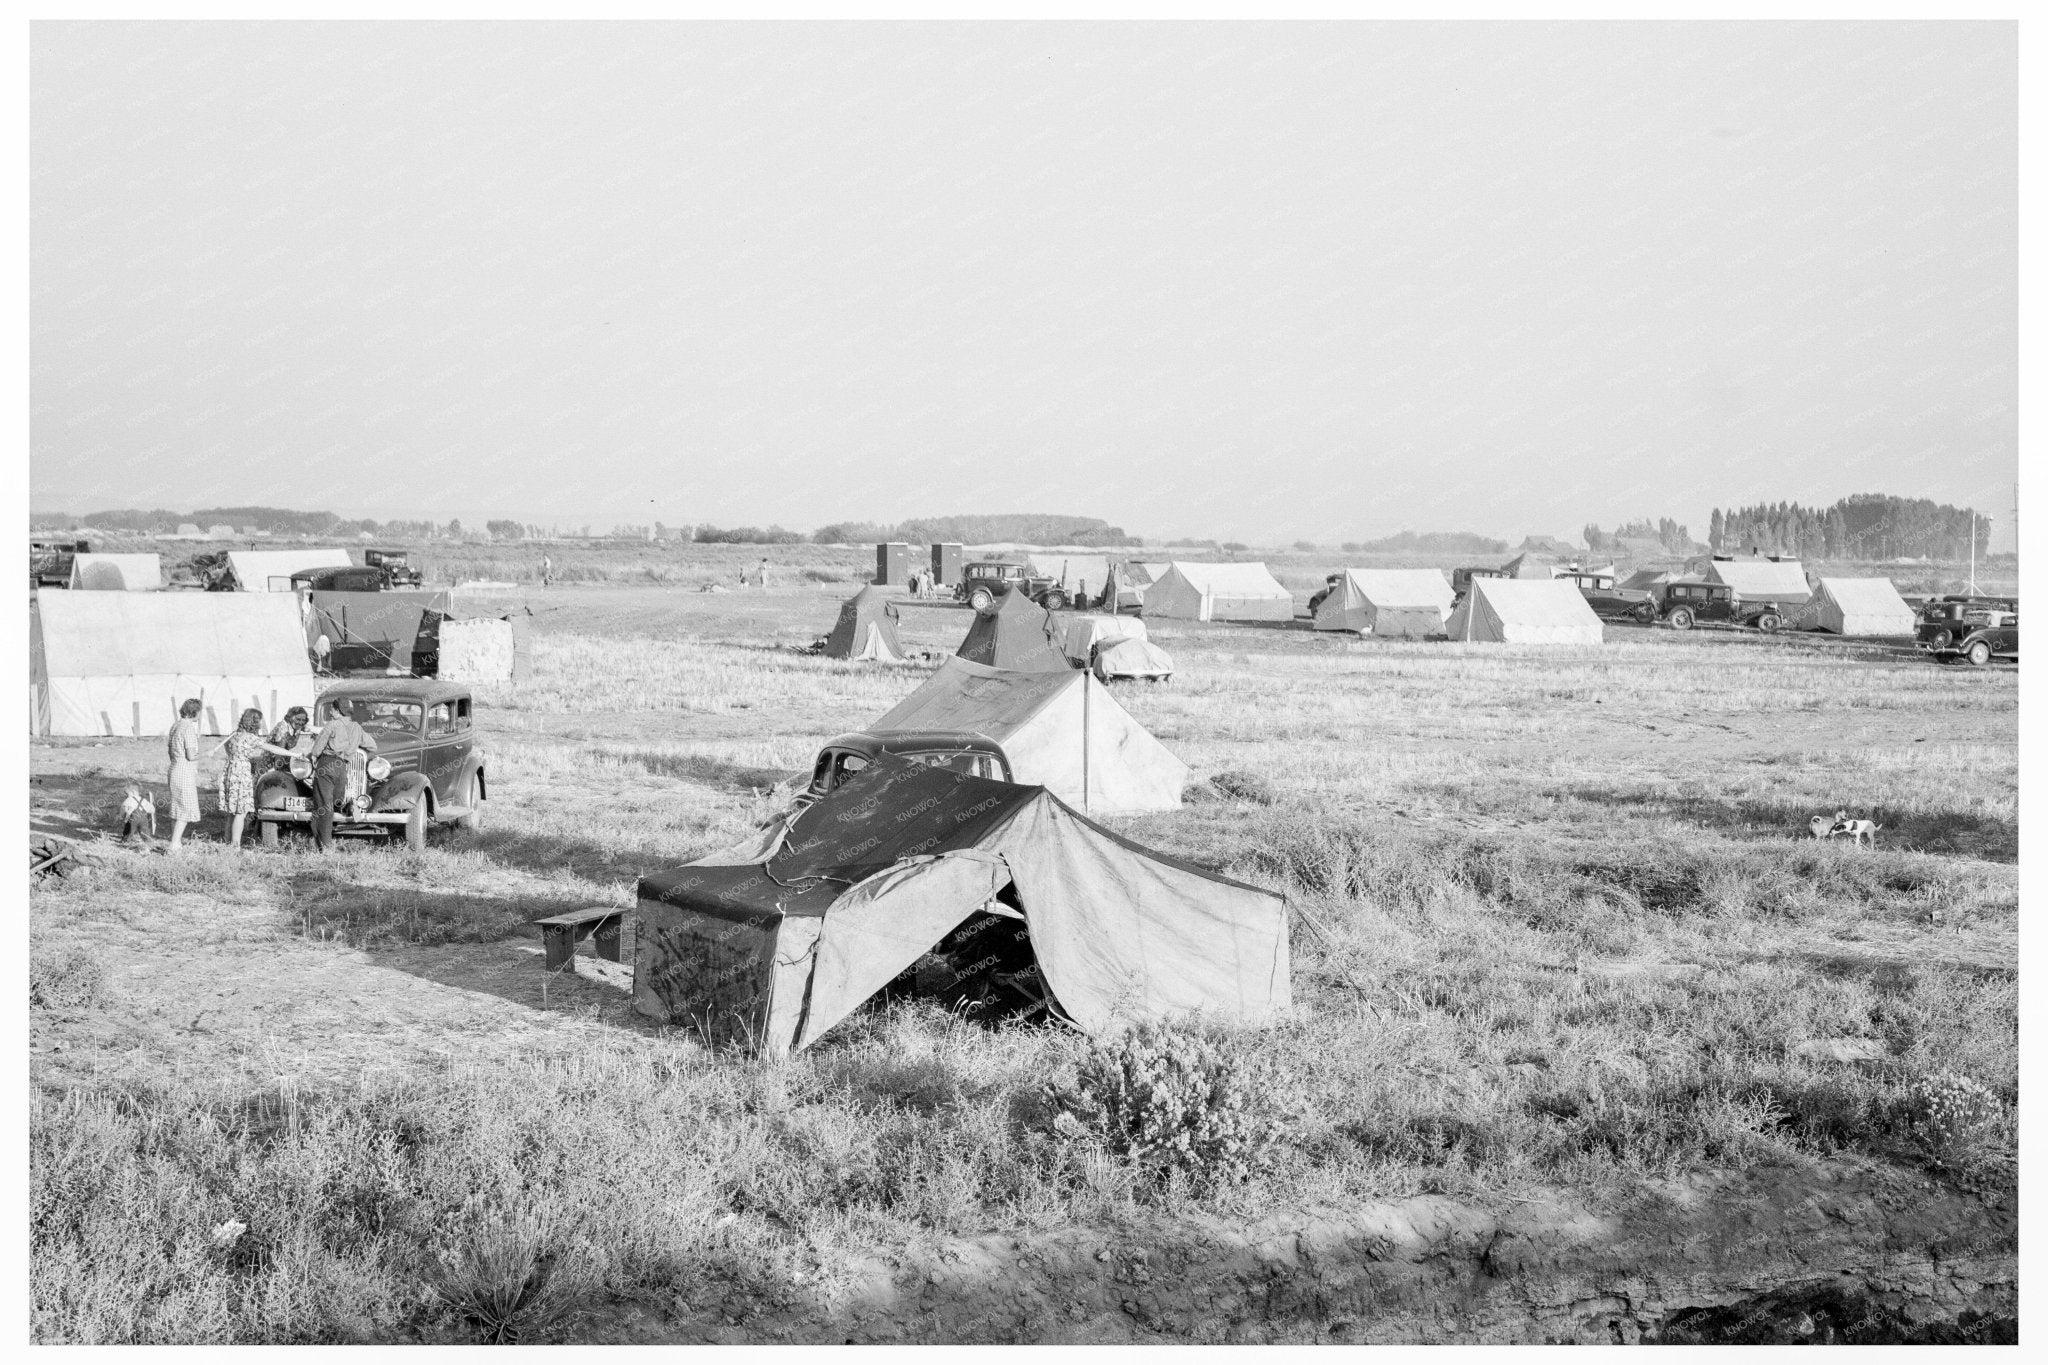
{"points": [[298, 803]]}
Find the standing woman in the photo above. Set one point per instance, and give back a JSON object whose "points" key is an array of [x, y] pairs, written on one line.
{"points": [[285, 737], [238, 775], [182, 747]]}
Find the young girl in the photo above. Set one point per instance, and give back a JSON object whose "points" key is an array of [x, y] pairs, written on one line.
{"points": [[238, 774]]}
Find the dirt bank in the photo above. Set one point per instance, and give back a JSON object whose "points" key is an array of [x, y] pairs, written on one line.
{"points": [[1850, 1253]]}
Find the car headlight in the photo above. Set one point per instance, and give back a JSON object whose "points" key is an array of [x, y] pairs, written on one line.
{"points": [[378, 768], [302, 768]]}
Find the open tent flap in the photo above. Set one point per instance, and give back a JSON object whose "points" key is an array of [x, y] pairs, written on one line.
{"points": [[866, 628], [887, 922]]}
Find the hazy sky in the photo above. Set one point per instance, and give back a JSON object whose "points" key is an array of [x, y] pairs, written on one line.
{"points": [[1262, 282]]}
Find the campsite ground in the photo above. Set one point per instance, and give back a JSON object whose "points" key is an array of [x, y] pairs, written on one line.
{"points": [[1557, 943]]}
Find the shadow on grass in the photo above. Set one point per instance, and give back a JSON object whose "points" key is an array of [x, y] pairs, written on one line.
{"points": [[1991, 838]]}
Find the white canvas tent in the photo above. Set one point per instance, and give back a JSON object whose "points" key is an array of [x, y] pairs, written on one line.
{"points": [[1856, 606], [1762, 580], [1525, 612], [117, 573], [1400, 603], [1063, 731], [271, 570], [1075, 573], [117, 663], [1218, 592]]}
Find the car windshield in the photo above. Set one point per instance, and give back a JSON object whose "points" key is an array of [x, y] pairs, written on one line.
{"points": [[375, 715]]}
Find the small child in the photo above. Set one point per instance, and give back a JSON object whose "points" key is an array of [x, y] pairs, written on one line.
{"points": [[138, 814]]}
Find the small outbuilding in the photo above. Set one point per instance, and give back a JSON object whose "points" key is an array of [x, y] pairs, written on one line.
{"points": [[936, 883], [1410, 604], [866, 628], [1523, 612], [1190, 591]]}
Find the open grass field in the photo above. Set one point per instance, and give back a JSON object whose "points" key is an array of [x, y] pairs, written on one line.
{"points": [[1558, 944]]}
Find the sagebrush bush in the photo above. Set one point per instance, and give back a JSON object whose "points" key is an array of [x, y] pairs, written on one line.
{"points": [[1170, 1099], [499, 1268], [1244, 786], [66, 978], [1955, 1119]]}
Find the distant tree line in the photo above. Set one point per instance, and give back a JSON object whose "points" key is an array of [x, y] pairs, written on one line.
{"points": [[1027, 528], [1864, 526], [1429, 542], [1666, 532]]}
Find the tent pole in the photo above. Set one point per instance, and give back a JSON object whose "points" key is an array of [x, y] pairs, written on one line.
{"points": [[1087, 686]]}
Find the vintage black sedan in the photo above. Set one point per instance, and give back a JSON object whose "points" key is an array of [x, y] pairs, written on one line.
{"points": [[427, 769]]}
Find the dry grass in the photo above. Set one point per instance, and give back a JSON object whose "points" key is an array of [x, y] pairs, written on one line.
{"points": [[1536, 941]]}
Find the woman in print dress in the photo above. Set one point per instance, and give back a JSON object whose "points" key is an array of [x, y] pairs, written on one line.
{"points": [[245, 747], [181, 745]]}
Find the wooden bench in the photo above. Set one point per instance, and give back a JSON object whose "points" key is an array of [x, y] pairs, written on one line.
{"points": [[562, 933]]}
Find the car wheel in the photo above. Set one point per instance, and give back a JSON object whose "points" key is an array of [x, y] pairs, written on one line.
{"points": [[474, 799], [1769, 622], [980, 599], [1054, 601], [266, 833], [1979, 653], [416, 826], [1646, 614], [1942, 640], [1680, 618]]}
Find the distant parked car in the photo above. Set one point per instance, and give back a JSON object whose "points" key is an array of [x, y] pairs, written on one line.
{"points": [[50, 559], [985, 581], [1683, 603], [340, 578], [1988, 634], [1329, 586], [397, 566], [1607, 600], [960, 750], [1461, 579], [1943, 621], [427, 769]]}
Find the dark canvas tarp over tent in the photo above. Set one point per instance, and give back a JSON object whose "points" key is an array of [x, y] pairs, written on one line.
{"points": [[1061, 730], [120, 663], [1017, 634], [772, 953], [866, 628], [391, 632]]}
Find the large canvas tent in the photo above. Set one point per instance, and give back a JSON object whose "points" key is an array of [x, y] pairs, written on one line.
{"points": [[1390, 603], [1218, 592], [1075, 573], [866, 628], [1762, 580], [1856, 606], [271, 570], [391, 632], [1061, 730], [1524, 612], [119, 663], [907, 860], [116, 573], [1017, 634]]}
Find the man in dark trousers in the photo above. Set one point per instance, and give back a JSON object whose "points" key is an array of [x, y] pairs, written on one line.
{"points": [[339, 741]]}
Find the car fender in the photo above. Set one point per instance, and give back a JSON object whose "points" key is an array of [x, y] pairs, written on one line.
{"points": [[401, 790], [473, 766], [273, 787]]}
